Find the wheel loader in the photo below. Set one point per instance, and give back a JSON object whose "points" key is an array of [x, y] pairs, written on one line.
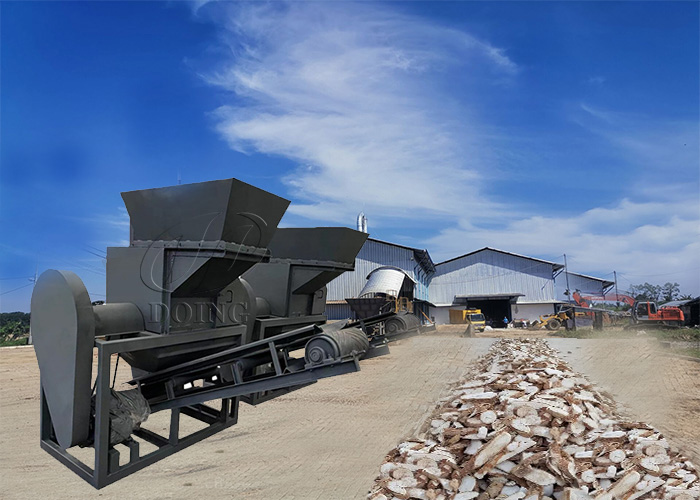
{"points": [[551, 322]]}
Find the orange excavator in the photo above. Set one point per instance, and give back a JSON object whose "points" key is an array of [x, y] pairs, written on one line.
{"points": [[586, 300], [643, 313]]}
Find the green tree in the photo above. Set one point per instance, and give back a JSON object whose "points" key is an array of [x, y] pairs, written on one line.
{"points": [[670, 291], [13, 325], [646, 291]]}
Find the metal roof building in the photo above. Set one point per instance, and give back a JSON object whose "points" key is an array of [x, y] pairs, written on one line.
{"points": [[690, 308], [416, 263], [491, 271], [587, 285], [501, 284]]}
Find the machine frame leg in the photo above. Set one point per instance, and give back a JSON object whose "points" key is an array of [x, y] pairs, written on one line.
{"points": [[106, 465]]}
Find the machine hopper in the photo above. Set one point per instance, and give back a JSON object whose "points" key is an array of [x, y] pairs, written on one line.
{"points": [[209, 302], [290, 289]]}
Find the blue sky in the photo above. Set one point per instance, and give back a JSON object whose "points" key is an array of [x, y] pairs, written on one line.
{"points": [[540, 128]]}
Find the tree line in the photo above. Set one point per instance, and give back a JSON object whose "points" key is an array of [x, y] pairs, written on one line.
{"points": [[14, 327], [658, 293]]}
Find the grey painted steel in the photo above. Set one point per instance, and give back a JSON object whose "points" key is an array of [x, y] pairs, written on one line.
{"points": [[336, 244], [127, 280], [290, 380], [117, 318], [401, 324], [188, 243], [106, 458], [336, 344], [63, 327], [293, 283], [295, 338], [180, 313], [160, 357], [225, 210], [367, 307], [107, 468]]}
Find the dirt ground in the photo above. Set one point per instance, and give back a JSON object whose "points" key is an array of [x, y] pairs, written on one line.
{"points": [[646, 382], [328, 440]]}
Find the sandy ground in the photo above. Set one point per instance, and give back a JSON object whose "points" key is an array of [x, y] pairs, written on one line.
{"points": [[646, 382], [328, 440]]}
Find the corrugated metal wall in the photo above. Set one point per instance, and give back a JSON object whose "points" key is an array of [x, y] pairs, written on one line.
{"points": [[375, 254], [488, 272], [338, 311], [482, 273], [531, 312], [586, 285]]}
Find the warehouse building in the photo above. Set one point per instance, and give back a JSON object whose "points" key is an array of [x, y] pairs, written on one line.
{"points": [[415, 263], [503, 285]]}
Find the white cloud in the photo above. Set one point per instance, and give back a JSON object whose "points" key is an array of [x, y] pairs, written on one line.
{"points": [[650, 241], [355, 94], [651, 235], [350, 92]]}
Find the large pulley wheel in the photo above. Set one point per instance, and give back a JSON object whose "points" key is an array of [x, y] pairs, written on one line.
{"points": [[335, 345]]}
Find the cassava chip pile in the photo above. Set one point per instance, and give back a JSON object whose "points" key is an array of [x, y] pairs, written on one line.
{"points": [[528, 427]]}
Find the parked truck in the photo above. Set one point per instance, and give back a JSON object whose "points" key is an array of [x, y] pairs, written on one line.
{"points": [[472, 317]]}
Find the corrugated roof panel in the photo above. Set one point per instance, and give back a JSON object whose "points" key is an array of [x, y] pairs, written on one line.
{"points": [[376, 254], [555, 265], [587, 285], [492, 272]]}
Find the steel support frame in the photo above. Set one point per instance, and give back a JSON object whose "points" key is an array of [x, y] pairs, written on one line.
{"points": [[106, 465], [263, 324]]}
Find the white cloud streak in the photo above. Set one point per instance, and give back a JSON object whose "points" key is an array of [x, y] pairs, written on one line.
{"points": [[350, 92], [655, 236], [355, 95], [642, 240]]}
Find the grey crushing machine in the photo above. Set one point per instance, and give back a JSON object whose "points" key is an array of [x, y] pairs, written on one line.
{"points": [[210, 303]]}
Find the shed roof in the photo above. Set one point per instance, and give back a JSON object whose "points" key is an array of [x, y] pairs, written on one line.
{"points": [[422, 256], [555, 266], [679, 303], [489, 296], [606, 283]]}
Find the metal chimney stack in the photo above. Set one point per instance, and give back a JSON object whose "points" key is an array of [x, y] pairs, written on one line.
{"points": [[362, 223]]}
